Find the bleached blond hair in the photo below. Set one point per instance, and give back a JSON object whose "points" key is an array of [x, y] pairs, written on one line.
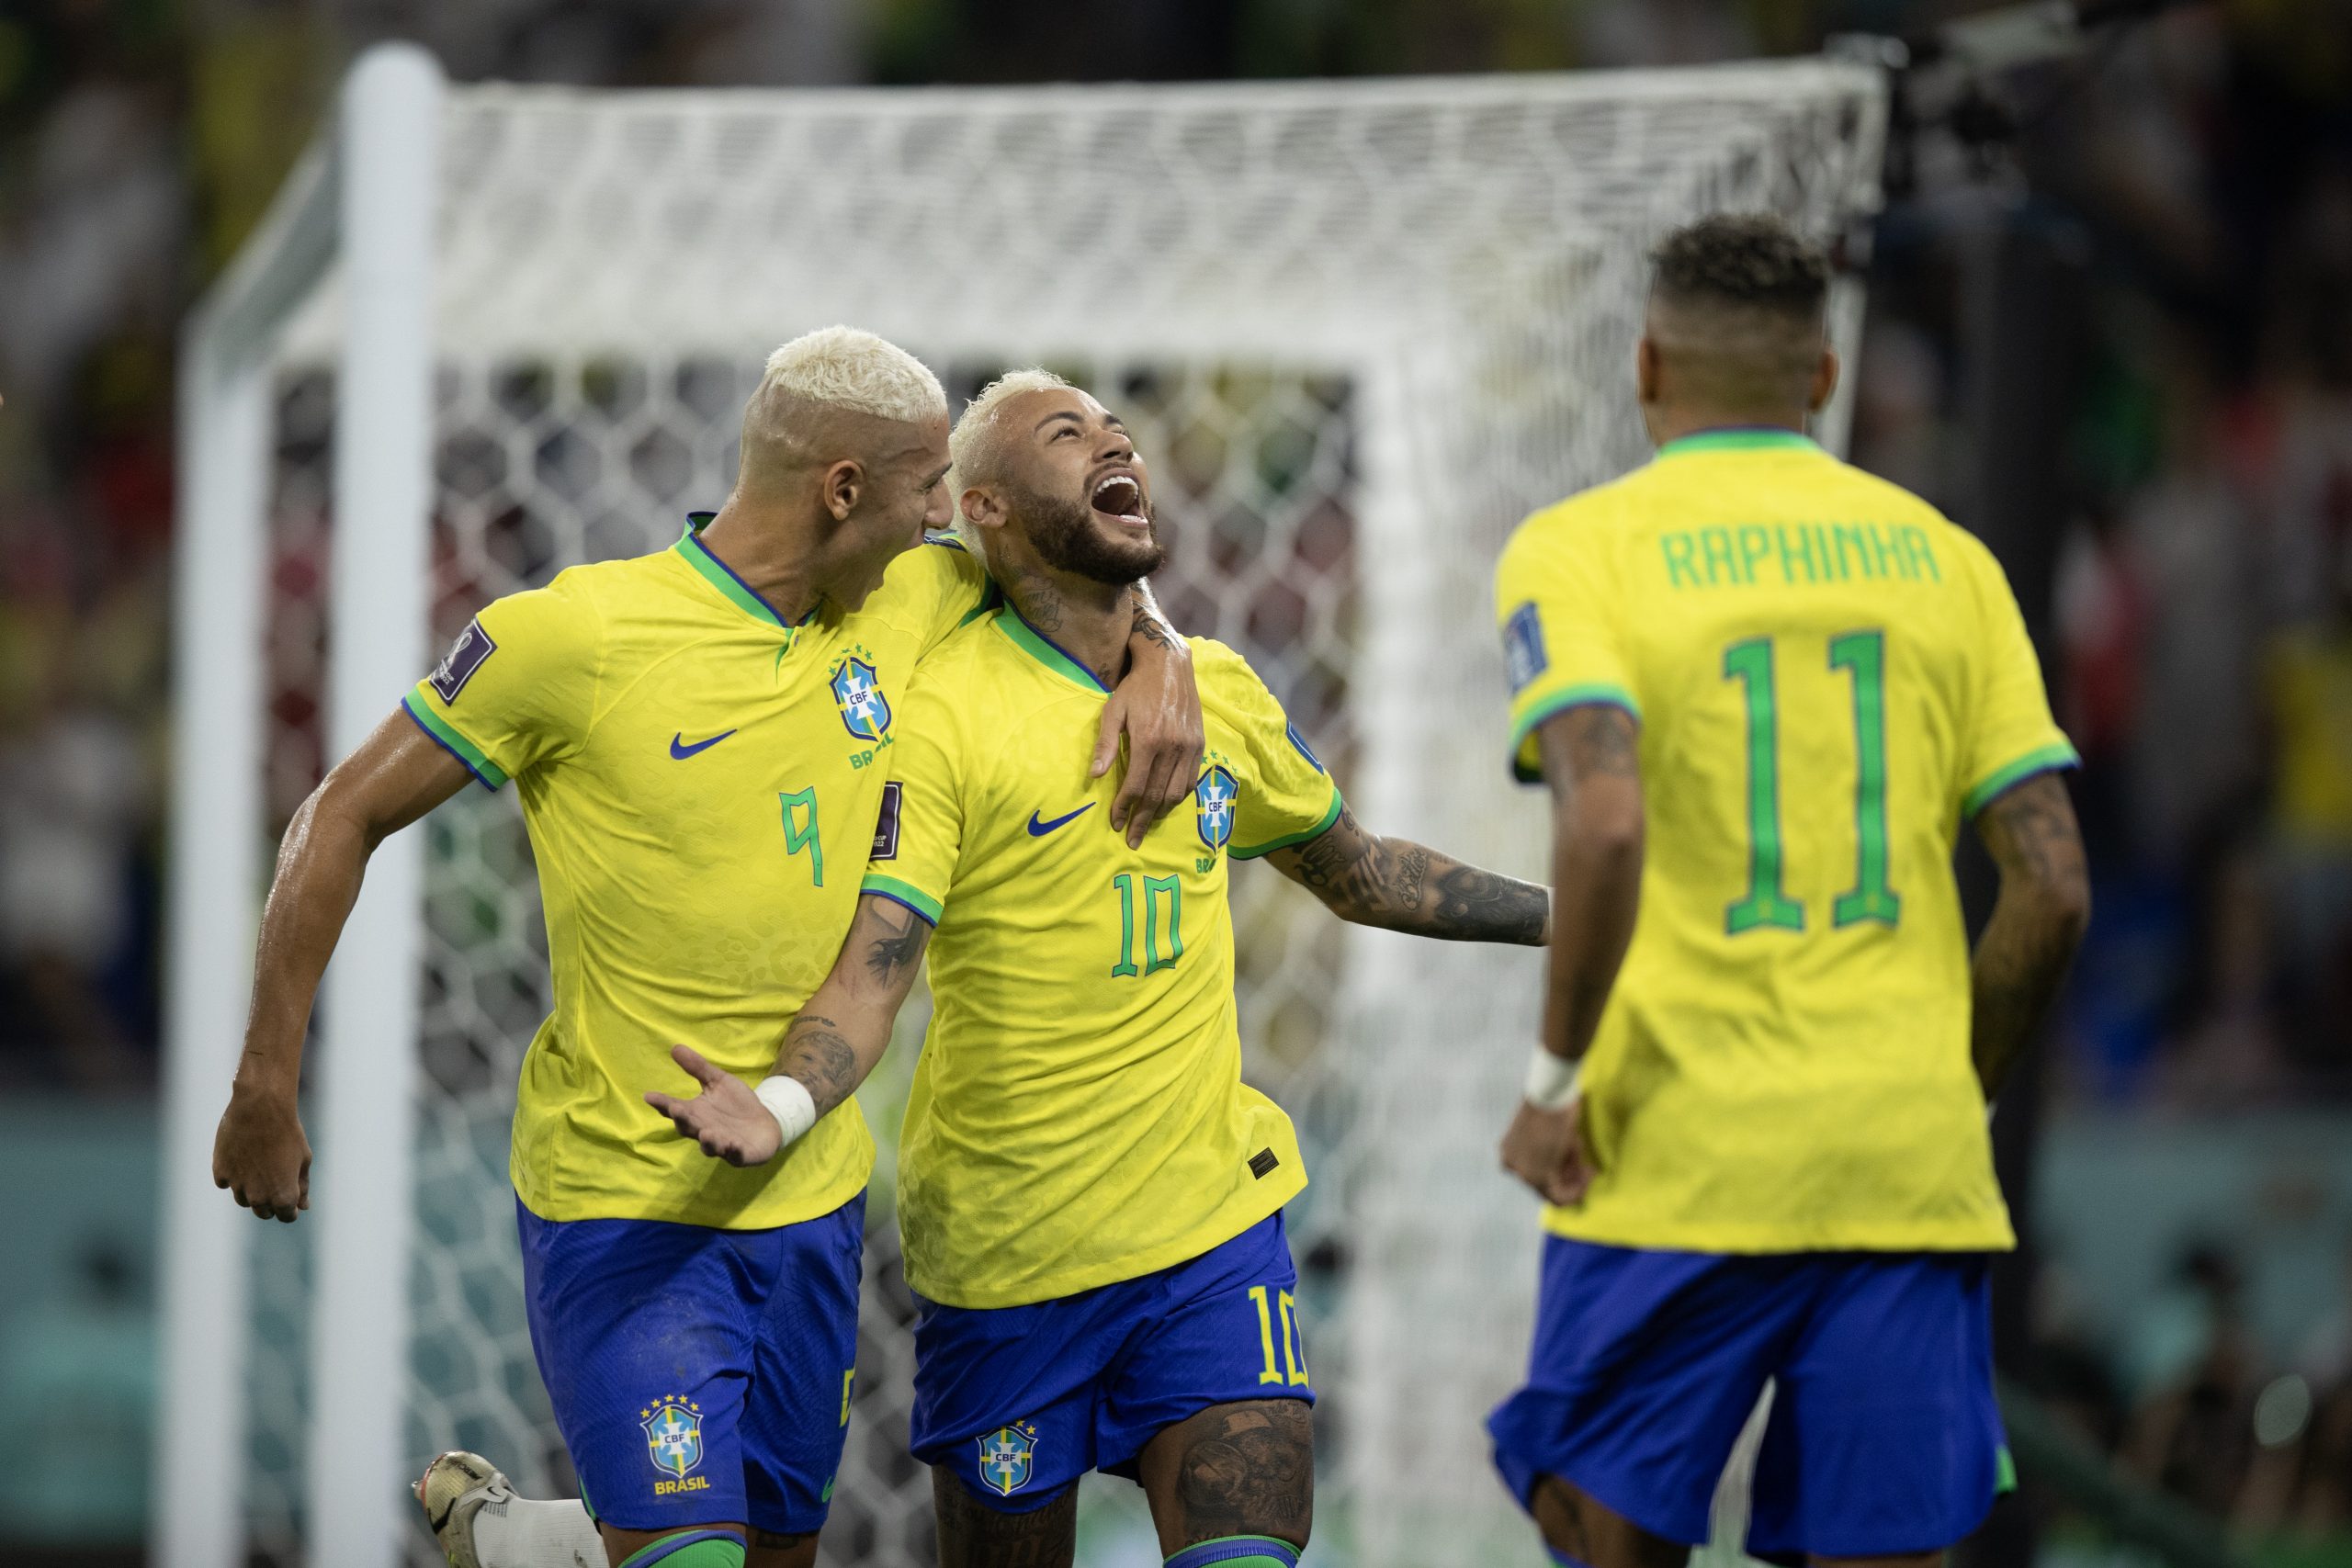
{"points": [[844, 367], [971, 449], [832, 371]]}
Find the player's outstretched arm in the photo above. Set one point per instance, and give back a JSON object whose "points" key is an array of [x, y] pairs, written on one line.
{"points": [[830, 1047], [2038, 920], [1400, 885], [397, 775], [1592, 763], [1158, 708]]}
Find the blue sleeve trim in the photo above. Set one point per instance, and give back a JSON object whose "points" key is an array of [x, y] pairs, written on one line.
{"points": [[480, 777]]}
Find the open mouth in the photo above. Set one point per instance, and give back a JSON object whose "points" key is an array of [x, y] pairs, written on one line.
{"points": [[1119, 498]]}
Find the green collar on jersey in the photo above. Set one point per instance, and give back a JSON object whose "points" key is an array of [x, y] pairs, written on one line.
{"points": [[1037, 646], [721, 576], [1737, 438]]}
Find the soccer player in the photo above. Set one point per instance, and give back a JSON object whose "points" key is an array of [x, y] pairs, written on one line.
{"points": [[1766, 689], [1090, 1198], [700, 737]]}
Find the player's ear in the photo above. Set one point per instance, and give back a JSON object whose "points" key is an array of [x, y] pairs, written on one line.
{"points": [[1825, 380], [981, 508], [1645, 370], [842, 486]]}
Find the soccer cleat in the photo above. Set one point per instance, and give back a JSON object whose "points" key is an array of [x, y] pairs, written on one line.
{"points": [[452, 1490]]}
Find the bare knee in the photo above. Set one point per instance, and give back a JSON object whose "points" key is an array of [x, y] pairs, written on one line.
{"points": [[973, 1535], [1591, 1534], [1241, 1469], [777, 1549]]}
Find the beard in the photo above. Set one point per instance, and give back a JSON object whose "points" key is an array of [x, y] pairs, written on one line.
{"points": [[1065, 537]]}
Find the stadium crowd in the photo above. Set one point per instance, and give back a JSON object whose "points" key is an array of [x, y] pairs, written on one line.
{"points": [[2198, 174]]}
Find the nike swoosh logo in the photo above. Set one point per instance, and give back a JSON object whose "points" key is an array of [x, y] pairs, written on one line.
{"points": [[680, 751], [1039, 830]]}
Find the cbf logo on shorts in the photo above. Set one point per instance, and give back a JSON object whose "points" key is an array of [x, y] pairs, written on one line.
{"points": [[1007, 1456], [672, 1427], [857, 691], [1213, 800]]}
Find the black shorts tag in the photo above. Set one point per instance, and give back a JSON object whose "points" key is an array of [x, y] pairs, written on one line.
{"points": [[1261, 1162]]}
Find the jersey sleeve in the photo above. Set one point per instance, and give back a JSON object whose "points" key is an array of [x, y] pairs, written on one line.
{"points": [[2010, 734], [1563, 646], [961, 589], [921, 831], [518, 687], [1287, 797]]}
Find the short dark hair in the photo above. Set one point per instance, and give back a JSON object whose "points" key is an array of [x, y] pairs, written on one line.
{"points": [[1752, 259]]}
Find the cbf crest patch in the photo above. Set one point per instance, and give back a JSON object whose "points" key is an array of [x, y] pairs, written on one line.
{"points": [[672, 1427], [1007, 1457], [1213, 800], [858, 691]]}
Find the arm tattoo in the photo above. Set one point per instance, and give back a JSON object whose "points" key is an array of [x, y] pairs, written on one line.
{"points": [[1599, 740], [2037, 922], [1249, 1470], [972, 1535], [815, 1053], [895, 947], [1404, 886]]}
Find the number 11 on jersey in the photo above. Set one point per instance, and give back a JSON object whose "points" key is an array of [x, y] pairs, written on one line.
{"points": [[1766, 904]]}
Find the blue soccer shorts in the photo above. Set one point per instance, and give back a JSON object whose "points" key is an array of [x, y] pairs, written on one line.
{"points": [[1017, 1403], [1884, 1439], [698, 1376]]}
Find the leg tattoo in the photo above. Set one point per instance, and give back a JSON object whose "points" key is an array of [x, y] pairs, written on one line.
{"points": [[1242, 1469]]}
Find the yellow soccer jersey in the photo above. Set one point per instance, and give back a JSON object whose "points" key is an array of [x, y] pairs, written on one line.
{"points": [[1830, 676], [701, 784], [1078, 1115]]}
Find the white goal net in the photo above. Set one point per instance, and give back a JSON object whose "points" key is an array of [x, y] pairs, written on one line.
{"points": [[1359, 330]]}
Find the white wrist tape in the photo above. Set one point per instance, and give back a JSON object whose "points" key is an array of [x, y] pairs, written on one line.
{"points": [[1551, 1080], [789, 1102]]}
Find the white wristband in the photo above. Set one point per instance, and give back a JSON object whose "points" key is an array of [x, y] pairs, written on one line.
{"points": [[789, 1102], [1551, 1080]]}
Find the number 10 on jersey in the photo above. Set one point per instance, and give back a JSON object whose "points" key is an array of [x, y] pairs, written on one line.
{"points": [[1766, 904]]}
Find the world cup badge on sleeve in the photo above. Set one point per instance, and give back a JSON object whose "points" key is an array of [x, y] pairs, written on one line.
{"points": [[1007, 1457]]}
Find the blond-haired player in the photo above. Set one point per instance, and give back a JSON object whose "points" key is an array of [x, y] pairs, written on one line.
{"points": [[700, 737], [1090, 1196]]}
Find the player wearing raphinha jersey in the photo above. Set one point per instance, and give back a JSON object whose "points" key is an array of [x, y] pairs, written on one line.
{"points": [[1091, 1197], [699, 738], [1765, 690]]}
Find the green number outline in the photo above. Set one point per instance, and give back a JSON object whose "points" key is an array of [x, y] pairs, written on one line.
{"points": [[1863, 654], [1766, 904], [1126, 882], [798, 838]]}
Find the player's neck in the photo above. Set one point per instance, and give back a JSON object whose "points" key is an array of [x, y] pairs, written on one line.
{"points": [[774, 554], [1673, 423], [1087, 620]]}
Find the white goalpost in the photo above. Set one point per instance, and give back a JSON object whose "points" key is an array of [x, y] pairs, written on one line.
{"points": [[489, 331]]}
